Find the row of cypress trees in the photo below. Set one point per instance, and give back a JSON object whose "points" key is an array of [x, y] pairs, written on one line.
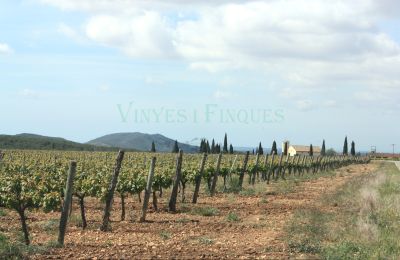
{"points": [[216, 148]]}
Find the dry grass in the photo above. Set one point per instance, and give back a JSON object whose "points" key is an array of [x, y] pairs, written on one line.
{"points": [[363, 222]]}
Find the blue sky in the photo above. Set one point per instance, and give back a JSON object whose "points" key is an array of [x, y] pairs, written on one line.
{"points": [[307, 70]]}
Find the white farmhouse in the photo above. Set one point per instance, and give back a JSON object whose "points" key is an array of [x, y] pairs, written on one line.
{"points": [[303, 150]]}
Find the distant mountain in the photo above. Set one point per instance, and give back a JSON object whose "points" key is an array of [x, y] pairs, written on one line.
{"points": [[39, 142], [140, 142]]}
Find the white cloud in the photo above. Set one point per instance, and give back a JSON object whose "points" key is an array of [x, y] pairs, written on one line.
{"points": [[70, 32], [5, 49], [104, 88], [306, 43], [153, 80], [29, 93], [304, 105], [222, 95], [144, 35], [330, 103]]}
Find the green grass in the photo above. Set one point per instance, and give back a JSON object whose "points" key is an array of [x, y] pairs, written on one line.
{"points": [[18, 250], [50, 226], [9, 250], [165, 235], [363, 224], [205, 240], [76, 220], [206, 211], [248, 192], [286, 187], [232, 217], [3, 213]]}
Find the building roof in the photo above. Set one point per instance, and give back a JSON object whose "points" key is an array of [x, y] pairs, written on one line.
{"points": [[305, 148]]}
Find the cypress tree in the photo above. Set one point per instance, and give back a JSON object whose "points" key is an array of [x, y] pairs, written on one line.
{"points": [[260, 149], [217, 148], [231, 149], [353, 148], [213, 146], [201, 148], [323, 148], [153, 147], [175, 149], [274, 150], [253, 151], [345, 147], [225, 148], [311, 150], [208, 149]]}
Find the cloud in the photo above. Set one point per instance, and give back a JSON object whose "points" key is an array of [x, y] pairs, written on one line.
{"points": [[153, 80], [104, 88], [145, 35], [29, 93], [70, 33], [306, 44], [304, 105], [5, 49], [330, 103], [222, 95]]}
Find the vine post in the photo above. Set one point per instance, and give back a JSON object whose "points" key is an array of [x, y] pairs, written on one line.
{"points": [[110, 194], [148, 189], [178, 176], [241, 177], [67, 202], [198, 178], [215, 178]]}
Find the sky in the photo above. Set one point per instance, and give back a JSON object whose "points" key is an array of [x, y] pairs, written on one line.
{"points": [[297, 70]]}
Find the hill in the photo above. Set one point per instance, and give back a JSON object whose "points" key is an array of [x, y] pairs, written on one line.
{"points": [[140, 142], [39, 142]]}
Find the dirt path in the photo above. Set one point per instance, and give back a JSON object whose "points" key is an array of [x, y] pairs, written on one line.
{"points": [[258, 234]]}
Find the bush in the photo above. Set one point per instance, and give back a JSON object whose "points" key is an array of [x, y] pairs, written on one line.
{"points": [[248, 192], [165, 235], [206, 211], [232, 216], [206, 240], [8, 250]]}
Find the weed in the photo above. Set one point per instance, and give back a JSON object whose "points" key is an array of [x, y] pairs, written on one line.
{"points": [[182, 220], [232, 217], [165, 235], [206, 211], [205, 240], [248, 192], [76, 220], [3, 213], [50, 226]]}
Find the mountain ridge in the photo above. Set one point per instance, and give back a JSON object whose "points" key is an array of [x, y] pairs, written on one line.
{"points": [[140, 141]]}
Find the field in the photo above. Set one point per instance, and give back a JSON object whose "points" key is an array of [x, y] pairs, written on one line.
{"points": [[253, 221]]}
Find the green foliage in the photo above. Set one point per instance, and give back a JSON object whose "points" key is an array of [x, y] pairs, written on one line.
{"points": [[9, 250], [165, 235], [205, 211], [205, 240], [3, 213], [36, 142], [248, 192], [232, 217]]}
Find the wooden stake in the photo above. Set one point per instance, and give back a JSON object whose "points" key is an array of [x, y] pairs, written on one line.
{"points": [[67, 202], [148, 189], [110, 194], [178, 175]]}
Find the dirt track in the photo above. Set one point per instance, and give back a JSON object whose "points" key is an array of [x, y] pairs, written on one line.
{"points": [[258, 234]]}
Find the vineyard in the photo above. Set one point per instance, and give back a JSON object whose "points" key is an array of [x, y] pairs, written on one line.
{"points": [[45, 182]]}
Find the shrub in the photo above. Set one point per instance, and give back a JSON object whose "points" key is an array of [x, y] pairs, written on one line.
{"points": [[232, 216], [206, 211]]}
